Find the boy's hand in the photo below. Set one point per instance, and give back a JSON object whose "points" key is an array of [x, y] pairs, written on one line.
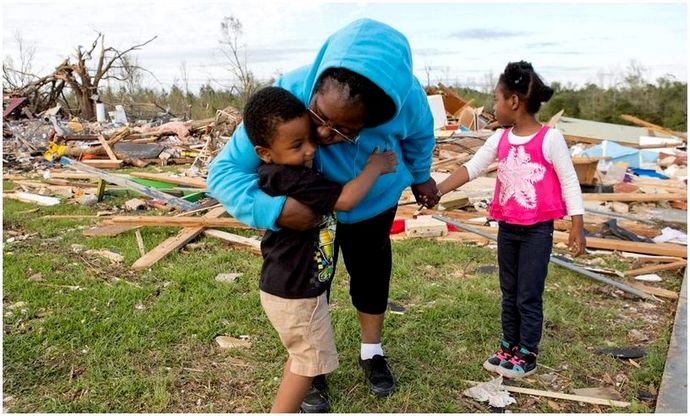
{"points": [[384, 162], [576, 240]]}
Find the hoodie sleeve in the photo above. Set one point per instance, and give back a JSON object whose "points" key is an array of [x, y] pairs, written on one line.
{"points": [[418, 144], [233, 181]]}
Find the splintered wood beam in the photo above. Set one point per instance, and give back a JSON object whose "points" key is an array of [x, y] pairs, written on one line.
{"points": [[654, 127], [174, 243], [107, 148], [254, 245], [629, 197], [656, 268], [149, 221]]}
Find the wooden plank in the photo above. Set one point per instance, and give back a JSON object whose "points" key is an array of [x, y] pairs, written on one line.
{"points": [[656, 291], [108, 230], [554, 120], [174, 243], [107, 148], [190, 182], [150, 221], [663, 249], [656, 268], [654, 127], [140, 243], [564, 396], [254, 245], [630, 197], [103, 164]]}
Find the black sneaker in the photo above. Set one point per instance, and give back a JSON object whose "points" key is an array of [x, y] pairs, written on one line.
{"points": [[316, 400], [378, 375], [504, 353], [522, 364]]}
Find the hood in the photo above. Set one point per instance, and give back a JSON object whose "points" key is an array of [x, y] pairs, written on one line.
{"points": [[372, 49]]}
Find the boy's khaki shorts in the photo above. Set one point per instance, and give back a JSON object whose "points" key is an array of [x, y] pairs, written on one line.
{"points": [[304, 327]]}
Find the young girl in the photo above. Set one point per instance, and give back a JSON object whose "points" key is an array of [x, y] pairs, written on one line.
{"points": [[536, 184]]}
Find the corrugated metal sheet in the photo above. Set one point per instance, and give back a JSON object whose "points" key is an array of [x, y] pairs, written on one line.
{"points": [[602, 131]]}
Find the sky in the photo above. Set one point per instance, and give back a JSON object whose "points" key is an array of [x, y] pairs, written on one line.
{"points": [[463, 43]]}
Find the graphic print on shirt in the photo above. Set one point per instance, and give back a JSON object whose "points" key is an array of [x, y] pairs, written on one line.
{"points": [[323, 255], [518, 174]]}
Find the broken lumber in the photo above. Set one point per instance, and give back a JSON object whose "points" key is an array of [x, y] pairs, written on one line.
{"points": [[190, 182], [107, 148], [150, 221], [626, 197], [558, 395], [118, 180], [254, 245], [558, 261], [656, 291], [174, 243], [653, 127], [656, 268]]}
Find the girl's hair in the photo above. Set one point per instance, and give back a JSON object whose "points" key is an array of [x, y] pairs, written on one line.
{"points": [[358, 89], [520, 78]]}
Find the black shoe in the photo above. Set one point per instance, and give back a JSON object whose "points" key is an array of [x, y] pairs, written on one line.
{"points": [[316, 400], [378, 375]]}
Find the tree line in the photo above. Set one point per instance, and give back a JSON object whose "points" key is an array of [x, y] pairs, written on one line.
{"points": [[663, 103]]}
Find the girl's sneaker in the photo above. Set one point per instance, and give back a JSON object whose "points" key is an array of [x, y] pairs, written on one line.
{"points": [[501, 356], [521, 364]]}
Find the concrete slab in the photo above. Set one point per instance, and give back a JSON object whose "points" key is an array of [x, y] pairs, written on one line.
{"points": [[673, 392]]}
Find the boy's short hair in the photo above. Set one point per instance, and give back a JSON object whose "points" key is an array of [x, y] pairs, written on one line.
{"points": [[265, 109]]}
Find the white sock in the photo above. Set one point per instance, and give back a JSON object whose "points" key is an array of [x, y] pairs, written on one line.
{"points": [[367, 351]]}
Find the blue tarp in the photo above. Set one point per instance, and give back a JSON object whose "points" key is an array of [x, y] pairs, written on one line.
{"points": [[619, 153]]}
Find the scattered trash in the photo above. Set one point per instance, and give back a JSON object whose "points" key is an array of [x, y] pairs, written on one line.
{"points": [[649, 278], [227, 277], [396, 309], [114, 257], [491, 391], [226, 342], [623, 353]]}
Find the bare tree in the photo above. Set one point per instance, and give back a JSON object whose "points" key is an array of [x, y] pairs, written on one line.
{"points": [[111, 63], [17, 74], [236, 53], [427, 71]]}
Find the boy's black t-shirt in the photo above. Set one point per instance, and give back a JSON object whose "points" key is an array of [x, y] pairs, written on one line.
{"points": [[299, 264]]}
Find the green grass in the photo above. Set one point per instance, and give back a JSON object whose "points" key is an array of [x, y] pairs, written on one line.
{"points": [[97, 337]]}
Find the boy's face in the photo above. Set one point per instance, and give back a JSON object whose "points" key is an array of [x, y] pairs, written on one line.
{"points": [[291, 145]]}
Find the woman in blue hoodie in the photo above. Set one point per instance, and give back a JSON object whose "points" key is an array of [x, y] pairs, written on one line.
{"points": [[361, 95]]}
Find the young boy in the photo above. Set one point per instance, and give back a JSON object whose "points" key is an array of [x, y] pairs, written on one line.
{"points": [[299, 265]]}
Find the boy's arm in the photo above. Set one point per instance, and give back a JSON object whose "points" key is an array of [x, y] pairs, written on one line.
{"points": [[356, 189]]}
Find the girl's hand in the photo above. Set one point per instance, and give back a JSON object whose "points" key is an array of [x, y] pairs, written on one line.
{"points": [[576, 240]]}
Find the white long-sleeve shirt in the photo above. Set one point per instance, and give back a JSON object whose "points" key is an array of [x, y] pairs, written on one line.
{"points": [[555, 151]]}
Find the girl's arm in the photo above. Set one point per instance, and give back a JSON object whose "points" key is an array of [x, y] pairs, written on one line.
{"points": [[474, 167], [570, 187]]}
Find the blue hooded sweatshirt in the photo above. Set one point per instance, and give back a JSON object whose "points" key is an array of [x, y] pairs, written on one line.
{"points": [[380, 53]]}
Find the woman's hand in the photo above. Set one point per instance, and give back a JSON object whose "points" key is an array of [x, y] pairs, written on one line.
{"points": [[297, 216], [426, 193]]}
